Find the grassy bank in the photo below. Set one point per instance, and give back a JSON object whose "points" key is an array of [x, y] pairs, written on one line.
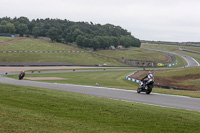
{"points": [[190, 76], [135, 54], [81, 58], [28, 109], [28, 44], [5, 39], [77, 58]]}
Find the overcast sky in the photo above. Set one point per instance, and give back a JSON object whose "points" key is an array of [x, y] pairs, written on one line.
{"points": [[159, 20]]}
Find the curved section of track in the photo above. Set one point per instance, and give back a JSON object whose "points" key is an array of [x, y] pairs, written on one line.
{"points": [[190, 61], [119, 94]]}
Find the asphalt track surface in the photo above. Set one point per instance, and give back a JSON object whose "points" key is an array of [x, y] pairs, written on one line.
{"points": [[156, 99], [164, 100], [191, 62]]}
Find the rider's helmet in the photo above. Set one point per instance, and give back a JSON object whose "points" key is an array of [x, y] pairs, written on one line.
{"points": [[149, 72]]}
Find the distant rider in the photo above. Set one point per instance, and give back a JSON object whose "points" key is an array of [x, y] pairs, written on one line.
{"points": [[150, 79], [21, 75]]}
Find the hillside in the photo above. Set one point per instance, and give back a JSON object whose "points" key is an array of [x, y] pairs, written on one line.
{"points": [[40, 50]]}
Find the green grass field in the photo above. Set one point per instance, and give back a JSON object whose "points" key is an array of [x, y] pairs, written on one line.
{"points": [[28, 109], [135, 54], [182, 72], [35, 45], [192, 48], [81, 58], [5, 39]]}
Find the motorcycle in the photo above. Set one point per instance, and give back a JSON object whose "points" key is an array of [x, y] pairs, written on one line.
{"points": [[21, 76], [147, 88]]}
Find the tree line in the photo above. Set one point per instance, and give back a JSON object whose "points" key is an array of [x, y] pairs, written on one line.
{"points": [[84, 34]]}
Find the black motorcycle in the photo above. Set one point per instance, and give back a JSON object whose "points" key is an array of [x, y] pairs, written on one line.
{"points": [[147, 88], [21, 75]]}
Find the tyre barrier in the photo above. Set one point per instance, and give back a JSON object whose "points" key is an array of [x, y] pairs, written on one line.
{"points": [[156, 85], [169, 65], [131, 79], [134, 80]]}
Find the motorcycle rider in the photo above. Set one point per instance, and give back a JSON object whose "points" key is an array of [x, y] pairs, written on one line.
{"points": [[150, 79], [21, 75]]}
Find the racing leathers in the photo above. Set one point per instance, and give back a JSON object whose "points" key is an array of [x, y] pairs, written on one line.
{"points": [[150, 79]]}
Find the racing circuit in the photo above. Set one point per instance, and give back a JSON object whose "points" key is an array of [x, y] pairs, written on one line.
{"points": [[156, 99]]}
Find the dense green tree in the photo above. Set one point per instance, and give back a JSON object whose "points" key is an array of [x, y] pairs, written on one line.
{"points": [[52, 33], [79, 40], [2, 28], [76, 33], [85, 34], [10, 28], [23, 20], [36, 32], [137, 42], [4, 22], [100, 40], [86, 42], [23, 29], [95, 44], [59, 38], [7, 27]]}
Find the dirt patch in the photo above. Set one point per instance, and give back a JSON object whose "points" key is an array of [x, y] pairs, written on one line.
{"points": [[16, 39], [169, 82], [137, 75], [44, 78], [163, 81]]}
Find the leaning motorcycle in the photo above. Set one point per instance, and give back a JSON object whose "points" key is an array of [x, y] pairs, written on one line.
{"points": [[147, 88], [21, 76]]}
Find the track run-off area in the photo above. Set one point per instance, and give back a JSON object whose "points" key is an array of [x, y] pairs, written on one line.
{"points": [[156, 99]]}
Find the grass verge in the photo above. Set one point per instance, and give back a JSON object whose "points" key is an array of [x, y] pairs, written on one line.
{"points": [[5, 39], [29, 109]]}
